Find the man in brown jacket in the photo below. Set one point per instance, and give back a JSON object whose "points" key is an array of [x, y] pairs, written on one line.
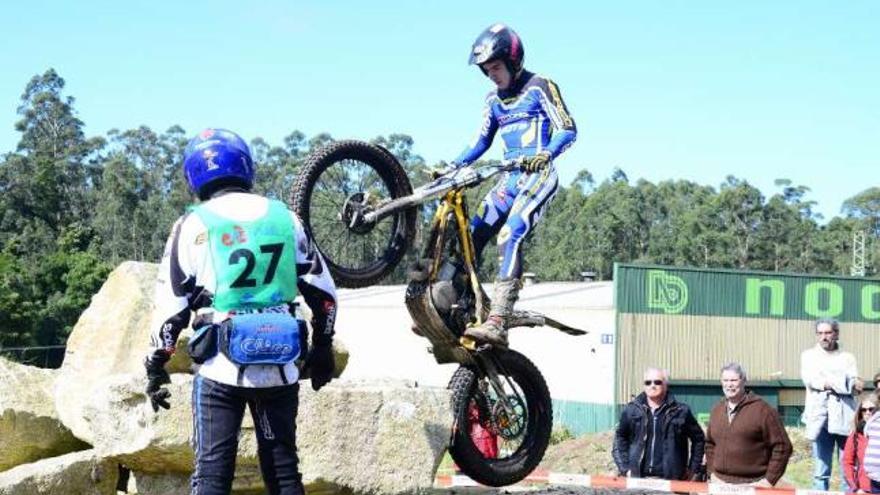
{"points": [[745, 442]]}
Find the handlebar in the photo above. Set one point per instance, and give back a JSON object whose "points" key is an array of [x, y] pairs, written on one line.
{"points": [[516, 162], [486, 171], [466, 176]]}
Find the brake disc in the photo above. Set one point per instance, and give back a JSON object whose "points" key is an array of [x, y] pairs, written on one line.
{"points": [[509, 425]]}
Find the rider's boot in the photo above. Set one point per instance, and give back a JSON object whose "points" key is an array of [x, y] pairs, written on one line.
{"points": [[494, 329]]}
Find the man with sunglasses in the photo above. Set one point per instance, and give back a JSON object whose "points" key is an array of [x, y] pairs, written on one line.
{"points": [[830, 376], [657, 436]]}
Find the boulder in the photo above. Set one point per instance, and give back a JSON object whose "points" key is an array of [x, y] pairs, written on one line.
{"points": [[29, 426], [124, 426], [374, 437], [110, 337], [384, 437], [80, 473]]}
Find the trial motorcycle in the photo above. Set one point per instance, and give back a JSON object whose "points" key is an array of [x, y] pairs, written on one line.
{"points": [[360, 208]]}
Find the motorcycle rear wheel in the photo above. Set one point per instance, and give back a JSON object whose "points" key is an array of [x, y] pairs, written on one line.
{"points": [[344, 179]]}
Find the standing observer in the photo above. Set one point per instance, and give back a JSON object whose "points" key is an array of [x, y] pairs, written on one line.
{"points": [[657, 436], [853, 459], [745, 441], [871, 458], [238, 260], [830, 376]]}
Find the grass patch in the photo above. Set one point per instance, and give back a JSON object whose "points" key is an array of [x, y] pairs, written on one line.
{"points": [[447, 465]]}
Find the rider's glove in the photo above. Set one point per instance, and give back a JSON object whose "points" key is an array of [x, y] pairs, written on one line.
{"points": [[321, 364], [538, 162], [156, 377]]}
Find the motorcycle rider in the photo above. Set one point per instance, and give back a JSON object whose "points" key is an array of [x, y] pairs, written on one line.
{"points": [[528, 112], [238, 260]]}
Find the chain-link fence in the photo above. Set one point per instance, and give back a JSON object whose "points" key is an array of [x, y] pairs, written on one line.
{"points": [[47, 356]]}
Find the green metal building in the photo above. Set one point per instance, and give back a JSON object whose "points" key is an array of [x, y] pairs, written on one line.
{"points": [[693, 321]]}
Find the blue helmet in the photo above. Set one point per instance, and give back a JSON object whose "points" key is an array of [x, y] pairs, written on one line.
{"points": [[217, 157]]}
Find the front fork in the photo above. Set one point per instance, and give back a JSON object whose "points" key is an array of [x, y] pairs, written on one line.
{"points": [[453, 203], [490, 367]]}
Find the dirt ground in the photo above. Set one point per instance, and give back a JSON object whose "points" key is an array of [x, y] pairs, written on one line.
{"points": [[588, 454], [591, 454]]}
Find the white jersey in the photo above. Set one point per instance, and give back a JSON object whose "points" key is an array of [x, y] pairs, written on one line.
{"points": [[187, 284]]}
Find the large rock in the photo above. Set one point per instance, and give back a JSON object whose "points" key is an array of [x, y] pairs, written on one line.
{"points": [[110, 337], [29, 426], [79, 473], [371, 438], [374, 437], [125, 427]]}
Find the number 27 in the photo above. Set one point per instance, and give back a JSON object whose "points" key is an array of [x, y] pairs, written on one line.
{"points": [[244, 279]]}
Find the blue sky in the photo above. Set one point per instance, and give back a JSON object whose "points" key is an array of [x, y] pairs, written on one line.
{"points": [[664, 90]]}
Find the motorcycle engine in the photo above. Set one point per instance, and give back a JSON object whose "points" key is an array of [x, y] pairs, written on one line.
{"points": [[451, 297], [444, 296]]}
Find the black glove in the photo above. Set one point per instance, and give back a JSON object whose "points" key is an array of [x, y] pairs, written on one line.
{"points": [[538, 162], [321, 365], [156, 377]]}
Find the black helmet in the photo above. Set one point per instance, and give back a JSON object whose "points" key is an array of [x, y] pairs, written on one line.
{"points": [[499, 42]]}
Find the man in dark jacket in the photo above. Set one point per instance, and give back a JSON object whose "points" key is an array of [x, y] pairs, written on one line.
{"points": [[653, 434]]}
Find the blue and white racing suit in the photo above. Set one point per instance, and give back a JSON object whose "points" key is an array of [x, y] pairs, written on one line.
{"points": [[531, 118]]}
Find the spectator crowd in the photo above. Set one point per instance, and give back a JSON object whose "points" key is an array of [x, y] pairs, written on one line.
{"points": [[745, 442]]}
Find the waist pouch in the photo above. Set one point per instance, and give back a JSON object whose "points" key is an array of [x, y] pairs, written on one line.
{"points": [[260, 338], [203, 344]]}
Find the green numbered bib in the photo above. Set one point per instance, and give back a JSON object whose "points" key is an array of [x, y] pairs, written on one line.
{"points": [[254, 261]]}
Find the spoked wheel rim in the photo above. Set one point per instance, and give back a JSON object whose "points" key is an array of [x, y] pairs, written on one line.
{"points": [[343, 191]]}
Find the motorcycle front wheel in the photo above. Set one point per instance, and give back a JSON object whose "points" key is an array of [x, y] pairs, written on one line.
{"points": [[338, 183], [493, 444]]}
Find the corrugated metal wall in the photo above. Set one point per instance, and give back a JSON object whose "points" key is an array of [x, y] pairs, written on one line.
{"points": [[666, 321]]}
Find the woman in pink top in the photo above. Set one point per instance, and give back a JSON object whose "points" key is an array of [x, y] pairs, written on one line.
{"points": [[856, 443]]}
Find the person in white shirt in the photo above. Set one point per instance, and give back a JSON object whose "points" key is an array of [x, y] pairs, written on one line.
{"points": [[830, 376]]}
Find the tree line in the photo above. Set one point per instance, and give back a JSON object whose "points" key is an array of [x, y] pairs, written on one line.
{"points": [[73, 207]]}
